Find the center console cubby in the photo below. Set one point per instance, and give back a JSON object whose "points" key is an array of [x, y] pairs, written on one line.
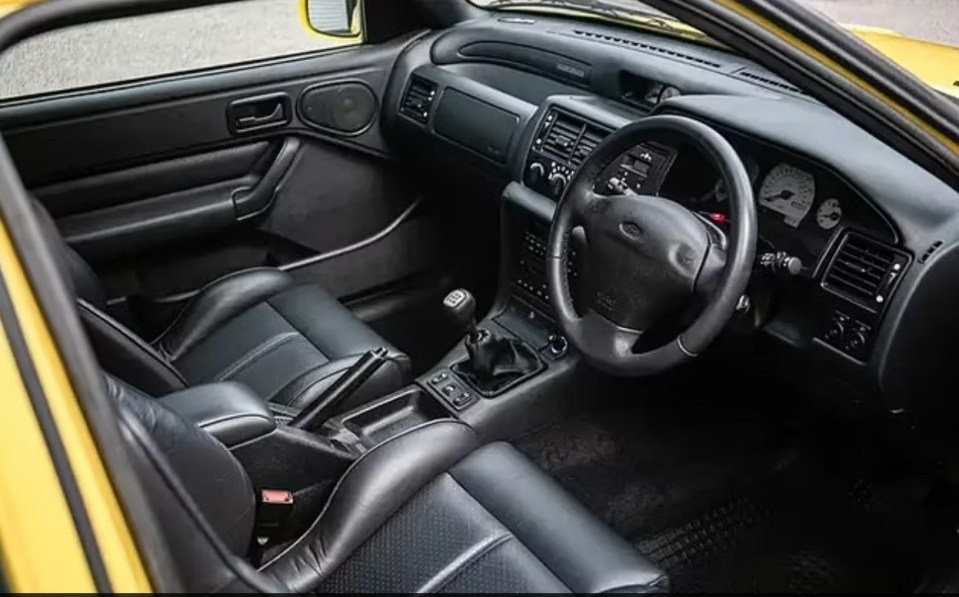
{"points": [[362, 428]]}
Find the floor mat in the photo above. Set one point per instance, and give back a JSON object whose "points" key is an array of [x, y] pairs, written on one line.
{"points": [[726, 500], [785, 541]]}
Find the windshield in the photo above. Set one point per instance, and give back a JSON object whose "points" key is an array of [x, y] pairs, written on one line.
{"points": [[920, 35]]}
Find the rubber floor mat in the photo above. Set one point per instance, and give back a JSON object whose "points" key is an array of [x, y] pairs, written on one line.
{"points": [[785, 540]]}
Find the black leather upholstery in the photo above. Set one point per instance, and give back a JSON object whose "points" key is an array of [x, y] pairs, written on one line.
{"points": [[228, 411], [257, 327], [215, 480], [428, 510], [288, 346]]}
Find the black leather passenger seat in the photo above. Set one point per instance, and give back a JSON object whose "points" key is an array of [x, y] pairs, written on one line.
{"points": [[286, 341], [429, 510]]}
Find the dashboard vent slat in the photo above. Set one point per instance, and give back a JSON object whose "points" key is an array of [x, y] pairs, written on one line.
{"points": [[418, 99], [646, 47], [865, 271], [769, 80], [569, 139]]}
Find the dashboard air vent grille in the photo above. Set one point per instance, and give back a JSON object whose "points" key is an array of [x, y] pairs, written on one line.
{"points": [[561, 137], [865, 271], [587, 143], [662, 50], [568, 139], [418, 99], [769, 81]]}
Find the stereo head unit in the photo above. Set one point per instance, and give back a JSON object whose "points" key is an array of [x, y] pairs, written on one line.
{"points": [[563, 142]]}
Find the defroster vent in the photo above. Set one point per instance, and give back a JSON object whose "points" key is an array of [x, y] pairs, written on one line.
{"points": [[865, 271], [418, 99]]}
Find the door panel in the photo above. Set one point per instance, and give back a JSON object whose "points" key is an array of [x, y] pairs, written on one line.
{"points": [[165, 185]]}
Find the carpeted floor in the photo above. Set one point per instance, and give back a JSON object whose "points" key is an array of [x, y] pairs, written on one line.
{"points": [[728, 499]]}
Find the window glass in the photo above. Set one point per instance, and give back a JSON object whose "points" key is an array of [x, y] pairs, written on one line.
{"points": [[158, 44]]}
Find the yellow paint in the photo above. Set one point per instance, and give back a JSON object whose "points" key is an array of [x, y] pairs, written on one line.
{"points": [[39, 547], [935, 64], [117, 548], [355, 37]]}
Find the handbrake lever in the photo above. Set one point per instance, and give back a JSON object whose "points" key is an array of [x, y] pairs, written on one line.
{"points": [[326, 403]]}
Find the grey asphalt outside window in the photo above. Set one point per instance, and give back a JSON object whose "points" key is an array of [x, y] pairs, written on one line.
{"points": [[152, 45]]}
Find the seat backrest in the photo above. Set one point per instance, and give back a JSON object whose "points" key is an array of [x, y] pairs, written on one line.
{"points": [[118, 348], [76, 271], [199, 492]]}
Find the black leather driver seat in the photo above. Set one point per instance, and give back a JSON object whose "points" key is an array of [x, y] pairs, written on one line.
{"points": [[287, 342], [430, 510]]}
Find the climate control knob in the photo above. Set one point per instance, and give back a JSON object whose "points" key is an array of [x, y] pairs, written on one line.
{"points": [[535, 173], [557, 183]]}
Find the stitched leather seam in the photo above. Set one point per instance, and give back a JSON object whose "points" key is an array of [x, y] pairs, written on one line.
{"points": [[464, 562], [349, 470], [159, 340], [255, 354], [228, 418], [131, 337], [478, 501], [290, 323]]}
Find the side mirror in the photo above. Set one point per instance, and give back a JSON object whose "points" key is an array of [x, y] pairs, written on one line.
{"points": [[333, 18]]}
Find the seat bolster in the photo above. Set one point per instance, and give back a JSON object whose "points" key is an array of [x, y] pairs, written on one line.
{"points": [[584, 553], [218, 302], [378, 484], [126, 355], [305, 389]]}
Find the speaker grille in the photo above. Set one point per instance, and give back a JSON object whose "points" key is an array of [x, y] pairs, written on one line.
{"points": [[341, 107]]}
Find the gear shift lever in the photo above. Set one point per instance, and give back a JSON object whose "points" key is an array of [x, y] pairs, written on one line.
{"points": [[460, 307], [493, 362]]}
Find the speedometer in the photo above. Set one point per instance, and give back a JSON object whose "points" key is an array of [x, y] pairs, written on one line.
{"points": [[789, 191]]}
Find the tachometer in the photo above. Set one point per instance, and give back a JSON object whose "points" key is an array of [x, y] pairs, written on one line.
{"points": [[789, 191], [829, 214]]}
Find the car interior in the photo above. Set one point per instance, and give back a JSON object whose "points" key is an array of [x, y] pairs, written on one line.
{"points": [[511, 301]]}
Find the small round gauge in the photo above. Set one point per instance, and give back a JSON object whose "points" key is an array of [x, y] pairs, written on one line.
{"points": [[829, 214], [752, 169], [668, 92], [789, 191]]}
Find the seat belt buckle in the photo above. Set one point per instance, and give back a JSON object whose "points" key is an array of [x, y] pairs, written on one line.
{"points": [[273, 509]]}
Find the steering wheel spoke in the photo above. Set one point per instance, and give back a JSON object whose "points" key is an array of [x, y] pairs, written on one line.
{"points": [[605, 338], [585, 204]]}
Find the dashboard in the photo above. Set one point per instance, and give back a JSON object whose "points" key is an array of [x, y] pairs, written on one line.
{"points": [[869, 237], [803, 206]]}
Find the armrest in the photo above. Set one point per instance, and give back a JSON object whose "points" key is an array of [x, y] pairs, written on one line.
{"points": [[228, 411]]}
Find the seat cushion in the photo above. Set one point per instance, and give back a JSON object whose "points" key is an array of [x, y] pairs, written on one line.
{"points": [[289, 347], [429, 511]]}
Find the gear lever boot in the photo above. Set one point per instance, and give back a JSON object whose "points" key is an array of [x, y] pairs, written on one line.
{"points": [[494, 362]]}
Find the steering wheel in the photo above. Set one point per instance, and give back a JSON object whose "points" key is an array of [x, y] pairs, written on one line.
{"points": [[645, 256]]}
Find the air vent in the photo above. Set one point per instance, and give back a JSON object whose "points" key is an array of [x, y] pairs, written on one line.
{"points": [[418, 99], [592, 137], [568, 139], [561, 138], [769, 81], [928, 252], [661, 50], [865, 271]]}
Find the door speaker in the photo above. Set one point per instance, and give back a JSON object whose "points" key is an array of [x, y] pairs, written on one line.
{"points": [[341, 107]]}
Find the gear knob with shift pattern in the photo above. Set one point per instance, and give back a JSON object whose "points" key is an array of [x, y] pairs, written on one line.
{"points": [[460, 307]]}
